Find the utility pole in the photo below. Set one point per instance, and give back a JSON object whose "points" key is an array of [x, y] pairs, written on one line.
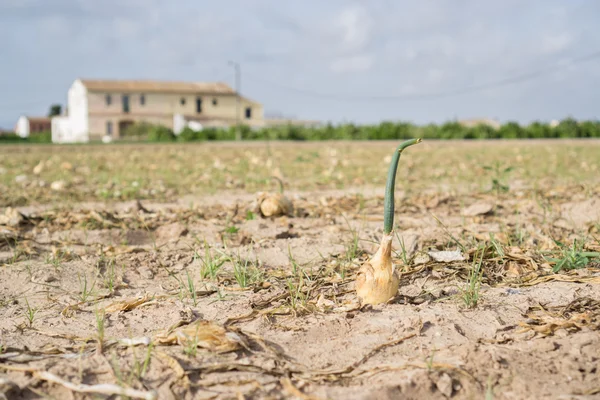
{"points": [[236, 66]]}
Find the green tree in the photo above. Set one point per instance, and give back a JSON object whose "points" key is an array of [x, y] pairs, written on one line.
{"points": [[55, 109], [590, 129], [511, 130], [568, 128], [538, 130]]}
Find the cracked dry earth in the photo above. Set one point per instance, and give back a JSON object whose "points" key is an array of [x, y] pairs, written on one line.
{"points": [[197, 300]]}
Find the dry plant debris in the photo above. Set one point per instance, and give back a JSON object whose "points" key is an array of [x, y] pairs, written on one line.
{"points": [[153, 279], [202, 333], [579, 314]]}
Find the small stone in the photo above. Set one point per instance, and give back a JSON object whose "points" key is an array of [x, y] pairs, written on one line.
{"points": [[146, 273], [178, 267], [170, 232], [66, 166], [58, 185], [21, 178], [547, 346], [43, 277], [38, 168], [11, 217], [478, 209], [84, 170], [444, 385], [325, 304], [421, 258], [447, 256], [8, 388]]}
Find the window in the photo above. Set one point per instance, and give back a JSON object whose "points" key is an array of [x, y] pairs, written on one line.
{"points": [[182, 101], [125, 103], [108, 100], [109, 130], [214, 102], [248, 112], [198, 105], [142, 99]]}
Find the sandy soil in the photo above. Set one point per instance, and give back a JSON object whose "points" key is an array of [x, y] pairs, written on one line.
{"points": [[88, 295]]}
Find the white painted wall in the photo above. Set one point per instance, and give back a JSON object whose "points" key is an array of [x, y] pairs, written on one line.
{"points": [[195, 126], [22, 128], [78, 112], [61, 130], [180, 123]]}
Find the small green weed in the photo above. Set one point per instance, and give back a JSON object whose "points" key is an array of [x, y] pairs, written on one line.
{"points": [[245, 272], [352, 247], [191, 288], [404, 252], [470, 294], [498, 177], [210, 265], [100, 318], [85, 291], [30, 313], [572, 257]]}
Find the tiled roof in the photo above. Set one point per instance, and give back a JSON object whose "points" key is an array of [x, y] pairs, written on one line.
{"points": [[148, 86]]}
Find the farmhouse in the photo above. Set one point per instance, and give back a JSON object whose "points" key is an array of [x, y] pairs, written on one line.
{"points": [[103, 109], [471, 123], [27, 126]]}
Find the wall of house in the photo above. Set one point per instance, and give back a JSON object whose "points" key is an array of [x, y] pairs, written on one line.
{"points": [[99, 124], [22, 127], [62, 131], [161, 105], [37, 125], [77, 104]]}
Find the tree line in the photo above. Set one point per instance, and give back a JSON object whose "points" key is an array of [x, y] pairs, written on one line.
{"points": [[567, 128]]}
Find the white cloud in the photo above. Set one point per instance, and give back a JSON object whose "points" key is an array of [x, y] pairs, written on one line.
{"points": [[55, 25], [435, 75], [388, 47], [358, 63], [555, 43], [354, 24]]}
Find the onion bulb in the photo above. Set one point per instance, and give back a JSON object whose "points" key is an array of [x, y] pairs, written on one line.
{"points": [[377, 281]]}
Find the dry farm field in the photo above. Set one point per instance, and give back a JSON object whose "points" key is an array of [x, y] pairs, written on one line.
{"points": [[149, 271]]}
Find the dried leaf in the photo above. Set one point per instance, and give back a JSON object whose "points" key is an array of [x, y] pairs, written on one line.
{"points": [[205, 334], [103, 388], [478, 209], [127, 304], [580, 313], [293, 391], [516, 254], [447, 256], [513, 268]]}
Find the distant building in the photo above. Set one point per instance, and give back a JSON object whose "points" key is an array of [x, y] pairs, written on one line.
{"points": [[297, 122], [27, 126], [471, 123], [103, 109]]}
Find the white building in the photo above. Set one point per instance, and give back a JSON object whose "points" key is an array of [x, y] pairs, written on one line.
{"points": [[26, 125], [104, 109]]}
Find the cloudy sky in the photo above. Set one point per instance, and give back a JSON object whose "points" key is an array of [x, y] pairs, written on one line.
{"points": [[361, 61]]}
